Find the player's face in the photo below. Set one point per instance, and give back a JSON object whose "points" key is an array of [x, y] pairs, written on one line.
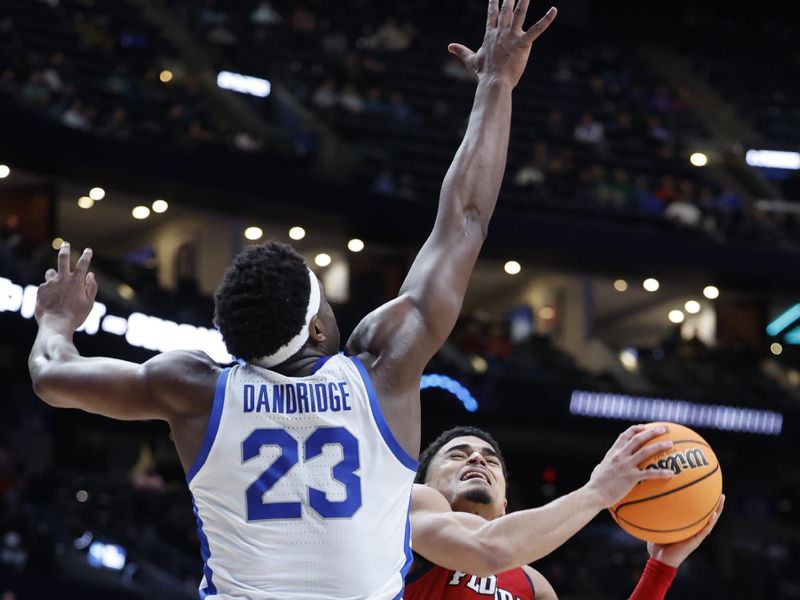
{"points": [[326, 321], [468, 472]]}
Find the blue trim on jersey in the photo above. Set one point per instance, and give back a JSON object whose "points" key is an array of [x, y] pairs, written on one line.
{"points": [[205, 554], [380, 421], [320, 363], [530, 580], [213, 425], [409, 554]]}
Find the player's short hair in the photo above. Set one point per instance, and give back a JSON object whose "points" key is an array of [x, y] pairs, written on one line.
{"points": [[261, 302], [461, 431]]}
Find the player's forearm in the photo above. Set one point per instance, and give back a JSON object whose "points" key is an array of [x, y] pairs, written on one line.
{"points": [[472, 183], [532, 534], [52, 349]]}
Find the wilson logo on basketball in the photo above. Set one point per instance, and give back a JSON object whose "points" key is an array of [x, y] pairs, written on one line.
{"points": [[677, 462]]}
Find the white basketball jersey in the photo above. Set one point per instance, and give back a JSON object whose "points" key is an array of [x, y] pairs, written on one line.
{"points": [[301, 491]]}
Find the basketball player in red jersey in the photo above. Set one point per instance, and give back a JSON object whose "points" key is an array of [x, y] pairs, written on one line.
{"points": [[466, 546]]}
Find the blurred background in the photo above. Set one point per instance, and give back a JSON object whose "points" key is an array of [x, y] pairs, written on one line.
{"points": [[642, 264]]}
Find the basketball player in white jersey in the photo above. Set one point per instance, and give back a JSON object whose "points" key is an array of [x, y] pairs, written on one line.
{"points": [[301, 460]]}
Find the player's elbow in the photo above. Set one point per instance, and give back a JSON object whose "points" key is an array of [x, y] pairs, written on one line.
{"points": [[45, 386]]}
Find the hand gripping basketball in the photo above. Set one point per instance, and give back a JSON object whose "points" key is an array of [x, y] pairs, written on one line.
{"points": [[668, 511], [619, 471]]}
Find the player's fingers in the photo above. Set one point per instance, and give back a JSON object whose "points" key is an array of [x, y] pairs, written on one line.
{"points": [[647, 474], [626, 435], [91, 286], [49, 274], [461, 51], [519, 14], [650, 450], [491, 17], [712, 521], [642, 437], [82, 266], [63, 258], [541, 25], [504, 18]]}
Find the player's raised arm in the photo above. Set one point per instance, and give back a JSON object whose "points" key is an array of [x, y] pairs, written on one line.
{"points": [[433, 292], [106, 386]]}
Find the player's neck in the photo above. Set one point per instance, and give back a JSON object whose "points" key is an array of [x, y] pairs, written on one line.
{"points": [[301, 364]]}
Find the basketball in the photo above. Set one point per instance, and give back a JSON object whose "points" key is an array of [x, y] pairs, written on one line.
{"points": [[672, 510]]}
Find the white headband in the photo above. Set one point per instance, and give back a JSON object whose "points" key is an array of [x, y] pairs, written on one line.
{"points": [[293, 346]]}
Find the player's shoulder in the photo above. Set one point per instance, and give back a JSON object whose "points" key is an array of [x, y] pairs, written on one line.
{"points": [[181, 371], [541, 587], [426, 499]]}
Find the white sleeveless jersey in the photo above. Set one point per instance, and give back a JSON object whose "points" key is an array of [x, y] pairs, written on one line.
{"points": [[301, 491]]}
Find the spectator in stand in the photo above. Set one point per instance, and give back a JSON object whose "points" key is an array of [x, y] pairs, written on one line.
{"points": [[325, 96], [589, 131], [264, 14], [351, 100], [666, 191]]}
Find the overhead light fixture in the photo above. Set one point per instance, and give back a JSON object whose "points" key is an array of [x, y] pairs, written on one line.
{"points": [[165, 76], [85, 202], [546, 313], [140, 212], [57, 243], [322, 259], [711, 292], [650, 284], [629, 358], [244, 84], [512, 267], [160, 206], [253, 233], [620, 285], [355, 245], [773, 159], [776, 348], [692, 307], [5, 171], [676, 316], [97, 193], [297, 233], [698, 159]]}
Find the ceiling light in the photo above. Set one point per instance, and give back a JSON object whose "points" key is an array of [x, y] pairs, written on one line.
{"points": [[512, 267], [140, 212], [776, 348], [355, 245], [57, 243], [676, 316], [85, 202], [479, 363], [165, 76], [125, 291], [297, 233], [650, 284], [322, 259], [692, 307], [629, 358], [97, 193], [4, 171], [546, 312], [711, 292], [620, 285], [698, 159], [254, 233], [160, 206]]}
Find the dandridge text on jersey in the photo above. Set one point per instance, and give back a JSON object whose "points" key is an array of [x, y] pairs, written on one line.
{"points": [[300, 397]]}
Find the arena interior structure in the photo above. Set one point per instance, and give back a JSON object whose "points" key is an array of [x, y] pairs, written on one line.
{"points": [[642, 264]]}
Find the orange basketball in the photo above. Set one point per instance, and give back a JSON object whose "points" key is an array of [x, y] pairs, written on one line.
{"points": [[670, 510]]}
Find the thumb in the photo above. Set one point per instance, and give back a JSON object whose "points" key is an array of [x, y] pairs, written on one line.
{"points": [[462, 52]]}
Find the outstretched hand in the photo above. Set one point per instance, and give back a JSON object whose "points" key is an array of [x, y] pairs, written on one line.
{"points": [[619, 470], [674, 554], [506, 45], [66, 297]]}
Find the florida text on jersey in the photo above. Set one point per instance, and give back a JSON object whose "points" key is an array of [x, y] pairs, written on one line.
{"points": [[432, 582]]}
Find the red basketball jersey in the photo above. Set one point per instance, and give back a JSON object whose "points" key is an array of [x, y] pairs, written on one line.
{"points": [[431, 582]]}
